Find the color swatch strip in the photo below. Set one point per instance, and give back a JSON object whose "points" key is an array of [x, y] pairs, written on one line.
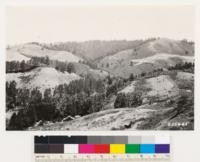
{"points": [[103, 148], [101, 145]]}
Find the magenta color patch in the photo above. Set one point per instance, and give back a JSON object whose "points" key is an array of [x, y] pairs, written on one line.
{"points": [[86, 148]]}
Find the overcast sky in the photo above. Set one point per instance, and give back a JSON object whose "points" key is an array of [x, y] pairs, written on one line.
{"points": [[80, 23]]}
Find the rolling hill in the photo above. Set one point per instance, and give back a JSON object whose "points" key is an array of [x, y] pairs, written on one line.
{"points": [[83, 70], [13, 54], [106, 99], [42, 78], [153, 54], [35, 50], [163, 58], [94, 49]]}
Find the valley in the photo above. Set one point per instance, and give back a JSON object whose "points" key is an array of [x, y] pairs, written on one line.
{"points": [[99, 85]]}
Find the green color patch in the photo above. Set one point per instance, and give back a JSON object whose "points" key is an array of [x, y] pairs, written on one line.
{"points": [[132, 148]]}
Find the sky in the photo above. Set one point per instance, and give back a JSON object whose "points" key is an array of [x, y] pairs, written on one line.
{"points": [[81, 23]]}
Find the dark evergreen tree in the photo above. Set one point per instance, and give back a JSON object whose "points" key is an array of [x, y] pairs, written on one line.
{"points": [[131, 77], [70, 68], [120, 101], [22, 66]]}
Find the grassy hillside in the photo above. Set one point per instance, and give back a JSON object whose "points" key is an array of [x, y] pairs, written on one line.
{"points": [[153, 54], [30, 50], [13, 54], [41, 78]]}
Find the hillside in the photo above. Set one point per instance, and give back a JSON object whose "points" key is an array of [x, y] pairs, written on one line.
{"points": [[154, 54], [165, 45], [35, 50], [163, 58], [115, 60], [27, 51], [147, 117], [162, 87], [160, 96], [83, 70], [108, 85], [13, 54], [42, 77], [94, 49], [114, 119]]}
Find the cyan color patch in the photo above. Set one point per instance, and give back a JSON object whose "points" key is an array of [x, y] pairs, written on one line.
{"points": [[147, 148]]}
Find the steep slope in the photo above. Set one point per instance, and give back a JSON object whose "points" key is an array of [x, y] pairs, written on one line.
{"points": [[42, 77]]}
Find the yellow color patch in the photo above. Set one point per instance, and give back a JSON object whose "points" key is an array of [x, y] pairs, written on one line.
{"points": [[117, 148]]}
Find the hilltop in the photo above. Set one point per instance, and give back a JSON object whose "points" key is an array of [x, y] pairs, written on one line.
{"points": [[30, 50], [148, 56], [41, 78], [13, 54]]}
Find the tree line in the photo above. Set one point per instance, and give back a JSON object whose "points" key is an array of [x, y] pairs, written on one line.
{"points": [[25, 66], [79, 97]]}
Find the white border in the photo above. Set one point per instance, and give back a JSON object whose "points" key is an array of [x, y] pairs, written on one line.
{"points": [[24, 139]]}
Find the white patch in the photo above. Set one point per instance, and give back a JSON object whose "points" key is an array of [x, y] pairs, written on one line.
{"points": [[129, 89], [162, 86]]}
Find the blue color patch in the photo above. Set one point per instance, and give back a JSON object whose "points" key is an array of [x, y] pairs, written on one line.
{"points": [[147, 148]]}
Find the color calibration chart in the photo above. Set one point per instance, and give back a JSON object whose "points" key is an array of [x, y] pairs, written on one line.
{"points": [[101, 148]]}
